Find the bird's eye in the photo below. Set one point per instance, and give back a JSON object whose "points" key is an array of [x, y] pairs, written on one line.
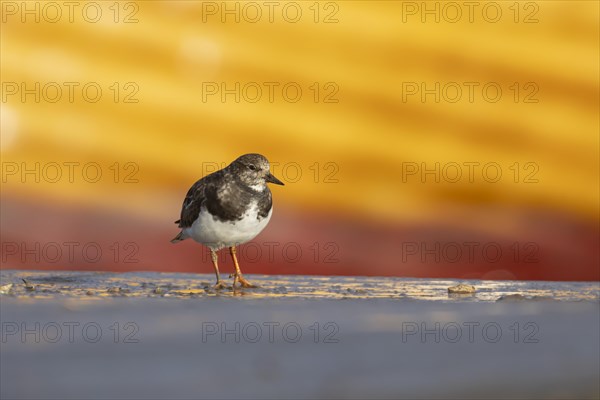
{"points": [[252, 167]]}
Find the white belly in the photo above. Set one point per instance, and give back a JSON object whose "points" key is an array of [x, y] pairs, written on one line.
{"points": [[217, 234]]}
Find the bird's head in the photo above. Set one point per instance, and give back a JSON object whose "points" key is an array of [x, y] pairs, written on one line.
{"points": [[254, 171]]}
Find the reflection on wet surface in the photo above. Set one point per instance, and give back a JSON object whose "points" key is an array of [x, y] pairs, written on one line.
{"points": [[50, 284]]}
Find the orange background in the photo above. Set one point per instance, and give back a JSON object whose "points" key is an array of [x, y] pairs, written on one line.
{"points": [[358, 207]]}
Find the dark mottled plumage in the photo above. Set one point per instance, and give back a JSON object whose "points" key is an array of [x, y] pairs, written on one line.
{"points": [[228, 192], [225, 197]]}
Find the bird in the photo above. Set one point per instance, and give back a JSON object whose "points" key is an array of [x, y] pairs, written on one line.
{"points": [[227, 208]]}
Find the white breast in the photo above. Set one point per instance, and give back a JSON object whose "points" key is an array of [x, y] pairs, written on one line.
{"points": [[217, 234]]}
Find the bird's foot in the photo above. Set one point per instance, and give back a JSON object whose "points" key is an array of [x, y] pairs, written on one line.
{"points": [[220, 285], [244, 283]]}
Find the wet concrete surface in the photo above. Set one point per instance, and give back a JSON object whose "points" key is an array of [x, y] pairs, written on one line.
{"points": [[58, 284], [88, 335]]}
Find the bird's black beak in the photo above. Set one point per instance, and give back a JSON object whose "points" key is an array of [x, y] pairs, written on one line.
{"points": [[272, 179]]}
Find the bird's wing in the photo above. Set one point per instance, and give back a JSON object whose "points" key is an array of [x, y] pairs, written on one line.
{"points": [[193, 201]]}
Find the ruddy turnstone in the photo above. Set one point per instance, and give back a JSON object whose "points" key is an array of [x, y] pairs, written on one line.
{"points": [[227, 208]]}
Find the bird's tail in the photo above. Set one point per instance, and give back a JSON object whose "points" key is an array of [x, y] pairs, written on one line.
{"points": [[178, 238]]}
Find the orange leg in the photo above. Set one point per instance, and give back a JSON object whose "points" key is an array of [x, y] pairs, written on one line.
{"points": [[238, 273], [220, 284]]}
